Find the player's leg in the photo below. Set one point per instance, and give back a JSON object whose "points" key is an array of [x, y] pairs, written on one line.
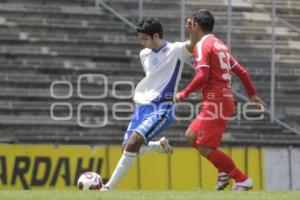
{"points": [[190, 136], [156, 123], [160, 146], [207, 137], [142, 128], [225, 165], [129, 154], [131, 142], [223, 178]]}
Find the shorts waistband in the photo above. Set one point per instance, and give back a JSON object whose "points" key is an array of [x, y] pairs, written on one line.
{"points": [[156, 103]]}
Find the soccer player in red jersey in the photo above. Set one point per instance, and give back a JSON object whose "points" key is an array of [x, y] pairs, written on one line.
{"points": [[214, 64]]}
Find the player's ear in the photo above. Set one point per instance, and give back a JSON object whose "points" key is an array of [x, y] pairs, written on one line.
{"points": [[197, 25], [155, 36]]}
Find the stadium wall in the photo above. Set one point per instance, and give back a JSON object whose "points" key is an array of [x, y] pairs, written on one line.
{"points": [[58, 167]]}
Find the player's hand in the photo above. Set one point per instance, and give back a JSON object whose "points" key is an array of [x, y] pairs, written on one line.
{"points": [[257, 101], [180, 97]]}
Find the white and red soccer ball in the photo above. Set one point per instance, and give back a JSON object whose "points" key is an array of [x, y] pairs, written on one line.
{"points": [[89, 181]]}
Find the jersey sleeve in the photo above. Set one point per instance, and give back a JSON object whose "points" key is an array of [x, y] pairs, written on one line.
{"points": [[201, 54], [198, 82], [142, 60], [233, 62], [243, 75], [184, 54]]}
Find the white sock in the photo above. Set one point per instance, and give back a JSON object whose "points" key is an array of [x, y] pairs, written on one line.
{"points": [[121, 169], [151, 147]]}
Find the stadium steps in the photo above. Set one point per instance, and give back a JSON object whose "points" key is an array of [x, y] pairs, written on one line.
{"points": [[19, 86], [78, 3], [78, 66], [46, 51], [293, 111], [261, 139], [33, 37], [175, 5], [58, 17], [291, 19], [291, 7], [25, 49], [63, 25], [38, 122], [71, 38], [45, 80], [288, 10], [63, 66], [46, 9]]}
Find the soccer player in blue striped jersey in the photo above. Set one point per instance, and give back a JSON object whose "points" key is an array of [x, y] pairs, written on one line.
{"points": [[154, 96]]}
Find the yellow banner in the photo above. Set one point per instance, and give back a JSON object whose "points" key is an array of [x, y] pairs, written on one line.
{"points": [[48, 166], [58, 167]]}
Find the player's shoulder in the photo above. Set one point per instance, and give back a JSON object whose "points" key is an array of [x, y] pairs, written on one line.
{"points": [[205, 42], [219, 45], [177, 44], [208, 39], [145, 52]]}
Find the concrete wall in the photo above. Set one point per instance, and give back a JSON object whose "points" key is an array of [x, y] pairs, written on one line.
{"points": [[282, 168]]}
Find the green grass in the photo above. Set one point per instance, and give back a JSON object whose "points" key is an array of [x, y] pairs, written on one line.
{"points": [[145, 195]]}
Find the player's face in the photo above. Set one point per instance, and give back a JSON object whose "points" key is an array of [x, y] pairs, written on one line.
{"points": [[146, 40]]}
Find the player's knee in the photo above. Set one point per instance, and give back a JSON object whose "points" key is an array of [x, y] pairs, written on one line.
{"points": [[134, 143], [190, 136], [204, 151], [132, 146]]}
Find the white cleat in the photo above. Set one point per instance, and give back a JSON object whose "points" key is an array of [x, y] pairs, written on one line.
{"points": [[166, 147], [104, 188], [243, 186], [223, 181]]}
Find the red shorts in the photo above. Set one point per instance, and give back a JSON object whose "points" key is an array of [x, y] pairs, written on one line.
{"points": [[209, 125]]}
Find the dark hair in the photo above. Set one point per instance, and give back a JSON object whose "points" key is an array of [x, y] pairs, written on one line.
{"points": [[150, 26], [205, 20]]}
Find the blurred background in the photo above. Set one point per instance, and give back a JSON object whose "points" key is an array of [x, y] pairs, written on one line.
{"points": [[68, 72]]}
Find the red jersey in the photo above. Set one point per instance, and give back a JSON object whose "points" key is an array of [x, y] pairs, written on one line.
{"points": [[212, 53], [214, 64]]}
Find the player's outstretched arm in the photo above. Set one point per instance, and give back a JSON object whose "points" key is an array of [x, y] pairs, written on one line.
{"points": [[197, 83]]}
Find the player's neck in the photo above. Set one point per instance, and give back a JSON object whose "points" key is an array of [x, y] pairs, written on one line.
{"points": [[203, 34], [158, 45]]}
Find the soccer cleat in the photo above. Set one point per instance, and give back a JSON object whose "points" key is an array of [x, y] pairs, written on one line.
{"points": [[243, 186], [223, 181], [166, 147], [105, 188]]}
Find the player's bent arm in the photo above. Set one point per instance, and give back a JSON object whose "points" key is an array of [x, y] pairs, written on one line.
{"points": [[243, 75], [198, 82], [189, 45]]}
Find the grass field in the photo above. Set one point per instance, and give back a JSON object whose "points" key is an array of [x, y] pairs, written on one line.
{"points": [[146, 195]]}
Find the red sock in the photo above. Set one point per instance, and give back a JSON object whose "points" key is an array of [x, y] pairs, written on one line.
{"points": [[225, 164]]}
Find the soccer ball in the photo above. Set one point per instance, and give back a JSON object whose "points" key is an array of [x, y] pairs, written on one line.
{"points": [[89, 181]]}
